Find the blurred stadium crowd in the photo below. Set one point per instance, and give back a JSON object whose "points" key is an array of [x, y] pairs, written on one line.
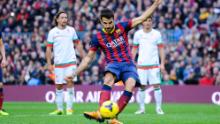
{"points": [[190, 30]]}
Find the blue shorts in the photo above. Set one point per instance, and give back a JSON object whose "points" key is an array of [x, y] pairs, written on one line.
{"points": [[1, 75], [122, 71]]}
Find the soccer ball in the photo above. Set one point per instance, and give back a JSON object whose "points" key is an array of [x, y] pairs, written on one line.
{"points": [[109, 109]]}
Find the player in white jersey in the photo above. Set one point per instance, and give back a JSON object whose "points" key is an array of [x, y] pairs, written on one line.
{"points": [[148, 43], [62, 39]]}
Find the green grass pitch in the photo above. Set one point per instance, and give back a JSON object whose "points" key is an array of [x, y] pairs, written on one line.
{"points": [[37, 113]]}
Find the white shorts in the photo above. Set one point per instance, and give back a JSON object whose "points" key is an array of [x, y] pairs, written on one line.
{"points": [[61, 73], [149, 76]]}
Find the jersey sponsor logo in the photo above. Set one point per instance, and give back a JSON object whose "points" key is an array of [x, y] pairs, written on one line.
{"points": [[116, 42]]}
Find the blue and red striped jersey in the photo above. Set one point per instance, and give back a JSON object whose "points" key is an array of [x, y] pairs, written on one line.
{"points": [[115, 45]]}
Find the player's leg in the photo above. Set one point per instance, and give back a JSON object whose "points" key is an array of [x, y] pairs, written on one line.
{"points": [[1, 95], [112, 73], [141, 91], [59, 100], [70, 90], [158, 98], [1, 100], [106, 88], [104, 96], [69, 98], [124, 98], [1, 90], [59, 80], [129, 75], [127, 94], [141, 102], [155, 80]]}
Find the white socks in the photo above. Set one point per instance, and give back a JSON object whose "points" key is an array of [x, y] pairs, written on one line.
{"points": [[69, 100], [142, 95], [158, 97], [59, 99]]}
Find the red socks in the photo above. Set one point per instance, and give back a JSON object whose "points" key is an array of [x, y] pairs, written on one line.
{"points": [[1, 98], [105, 94], [123, 100]]}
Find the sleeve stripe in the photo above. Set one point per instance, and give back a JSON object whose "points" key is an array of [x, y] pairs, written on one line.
{"points": [[93, 49], [76, 41], [49, 42], [49, 45], [160, 45], [135, 46]]}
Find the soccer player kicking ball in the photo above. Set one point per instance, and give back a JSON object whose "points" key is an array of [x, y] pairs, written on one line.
{"points": [[113, 41], [149, 42], [62, 38], [3, 64]]}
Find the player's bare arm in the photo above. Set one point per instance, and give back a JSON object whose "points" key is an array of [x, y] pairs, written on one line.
{"points": [[48, 57], [80, 49], [2, 48], [146, 14], [84, 64], [134, 52], [162, 59]]}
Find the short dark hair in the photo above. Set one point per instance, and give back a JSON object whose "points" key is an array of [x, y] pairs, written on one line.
{"points": [[57, 16], [107, 13]]}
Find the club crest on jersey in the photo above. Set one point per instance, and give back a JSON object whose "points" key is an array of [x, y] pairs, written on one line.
{"points": [[118, 31]]}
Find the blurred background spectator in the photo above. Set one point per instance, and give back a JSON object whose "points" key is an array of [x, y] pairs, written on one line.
{"points": [[190, 29]]}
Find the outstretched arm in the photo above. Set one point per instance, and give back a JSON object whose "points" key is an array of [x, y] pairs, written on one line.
{"points": [[2, 49], [85, 62], [146, 14]]}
